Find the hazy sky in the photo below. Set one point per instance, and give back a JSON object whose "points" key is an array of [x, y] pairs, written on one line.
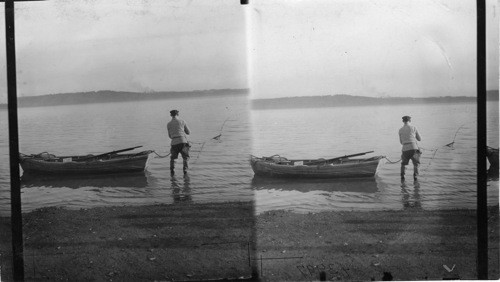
{"points": [[277, 48], [368, 47], [129, 45]]}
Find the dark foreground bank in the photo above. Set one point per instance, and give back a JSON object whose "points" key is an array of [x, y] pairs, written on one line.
{"points": [[185, 242]]}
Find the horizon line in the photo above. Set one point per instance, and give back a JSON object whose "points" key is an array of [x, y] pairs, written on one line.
{"points": [[246, 89]]}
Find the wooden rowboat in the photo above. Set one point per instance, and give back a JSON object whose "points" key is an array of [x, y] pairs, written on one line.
{"points": [[105, 163], [492, 155], [342, 167]]}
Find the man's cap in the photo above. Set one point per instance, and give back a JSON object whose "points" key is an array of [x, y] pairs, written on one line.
{"points": [[174, 112], [406, 118]]}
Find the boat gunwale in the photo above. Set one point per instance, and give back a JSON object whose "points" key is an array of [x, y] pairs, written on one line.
{"points": [[112, 157], [289, 162], [366, 167]]}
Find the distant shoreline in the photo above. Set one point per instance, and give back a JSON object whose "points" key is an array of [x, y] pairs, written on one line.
{"points": [[108, 96], [341, 100], [348, 100]]}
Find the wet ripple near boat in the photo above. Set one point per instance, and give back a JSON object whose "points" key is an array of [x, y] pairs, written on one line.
{"points": [[448, 174], [218, 172], [220, 168]]}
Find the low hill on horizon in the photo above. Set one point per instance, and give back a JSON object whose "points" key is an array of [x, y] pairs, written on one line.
{"points": [[344, 100], [108, 96]]}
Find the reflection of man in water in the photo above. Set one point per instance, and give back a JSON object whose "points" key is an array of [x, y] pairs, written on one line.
{"points": [[408, 137], [181, 194], [407, 202], [177, 131]]}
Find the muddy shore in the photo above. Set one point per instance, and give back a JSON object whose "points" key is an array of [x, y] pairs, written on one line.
{"points": [[192, 242]]}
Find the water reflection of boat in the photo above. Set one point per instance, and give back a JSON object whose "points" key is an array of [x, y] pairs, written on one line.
{"points": [[492, 174], [360, 185], [136, 179]]}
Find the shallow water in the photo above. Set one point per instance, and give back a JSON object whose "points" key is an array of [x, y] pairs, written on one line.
{"points": [[220, 169], [448, 174]]}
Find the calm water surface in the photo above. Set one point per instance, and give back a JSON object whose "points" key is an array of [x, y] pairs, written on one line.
{"points": [[448, 175], [220, 170]]}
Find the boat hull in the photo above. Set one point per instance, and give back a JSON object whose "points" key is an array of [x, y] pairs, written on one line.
{"points": [[492, 155], [347, 168], [113, 164]]}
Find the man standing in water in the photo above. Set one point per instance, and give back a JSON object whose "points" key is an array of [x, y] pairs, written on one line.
{"points": [[177, 131], [408, 137]]}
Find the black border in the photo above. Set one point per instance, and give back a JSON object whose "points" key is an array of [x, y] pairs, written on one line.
{"points": [[15, 182], [16, 211], [482, 204]]}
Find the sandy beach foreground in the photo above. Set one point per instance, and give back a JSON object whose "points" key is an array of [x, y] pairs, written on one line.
{"points": [[192, 242]]}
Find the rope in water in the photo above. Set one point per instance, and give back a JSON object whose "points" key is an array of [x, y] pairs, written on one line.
{"points": [[217, 138], [161, 157], [449, 145]]}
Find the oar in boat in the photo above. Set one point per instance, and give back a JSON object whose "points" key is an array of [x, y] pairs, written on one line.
{"points": [[109, 153], [343, 157]]}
